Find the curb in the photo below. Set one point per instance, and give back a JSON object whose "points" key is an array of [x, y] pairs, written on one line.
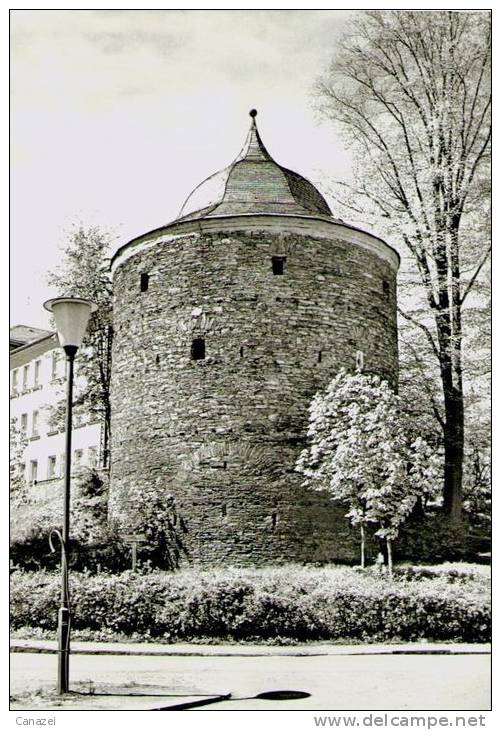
{"points": [[214, 650]]}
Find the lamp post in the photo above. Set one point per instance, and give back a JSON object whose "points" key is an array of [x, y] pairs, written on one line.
{"points": [[71, 316]]}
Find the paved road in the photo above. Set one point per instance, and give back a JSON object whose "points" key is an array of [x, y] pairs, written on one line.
{"points": [[373, 682]]}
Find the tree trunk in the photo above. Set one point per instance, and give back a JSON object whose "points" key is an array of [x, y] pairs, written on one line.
{"points": [[106, 447], [105, 383], [362, 546], [453, 454], [449, 326], [418, 511], [383, 550], [390, 557]]}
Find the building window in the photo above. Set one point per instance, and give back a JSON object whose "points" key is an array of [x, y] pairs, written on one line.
{"points": [[38, 364], [26, 371], [34, 424], [273, 520], [93, 456], [78, 456], [360, 360], [242, 351], [386, 288], [51, 467], [33, 470], [224, 510], [55, 359], [320, 356], [278, 265], [198, 349], [13, 388], [24, 422], [144, 282]]}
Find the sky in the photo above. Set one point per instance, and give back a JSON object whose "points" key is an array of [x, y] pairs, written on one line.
{"points": [[117, 115]]}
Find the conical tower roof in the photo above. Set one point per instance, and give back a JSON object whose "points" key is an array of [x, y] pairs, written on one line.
{"points": [[254, 184]]}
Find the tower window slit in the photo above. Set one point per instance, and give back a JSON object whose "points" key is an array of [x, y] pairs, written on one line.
{"points": [[198, 349], [386, 289], [320, 356], [241, 351], [273, 520], [144, 282], [278, 265], [224, 510]]}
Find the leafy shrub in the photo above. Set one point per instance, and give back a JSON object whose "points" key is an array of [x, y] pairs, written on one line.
{"points": [[33, 553], [433, 539], [452, 572], [292, 603], [95, 544]]}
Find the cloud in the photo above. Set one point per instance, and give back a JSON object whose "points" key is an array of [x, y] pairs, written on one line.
{"points": [[118, 115], [139, 52]]}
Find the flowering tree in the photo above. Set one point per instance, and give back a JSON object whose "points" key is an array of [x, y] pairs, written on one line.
{"points": [[362, 451]]}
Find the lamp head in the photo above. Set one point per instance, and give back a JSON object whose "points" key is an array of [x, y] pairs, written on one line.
{"points": [[72, 316]]}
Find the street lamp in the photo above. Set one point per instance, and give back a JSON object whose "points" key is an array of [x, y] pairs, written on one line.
{"points": [[71, 316]]}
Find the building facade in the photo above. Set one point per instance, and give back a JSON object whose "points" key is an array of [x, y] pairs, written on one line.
{"points": [[226, 323], [37, 385]]}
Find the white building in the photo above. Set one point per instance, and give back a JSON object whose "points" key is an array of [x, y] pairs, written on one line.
{"points": [[37, 382]]}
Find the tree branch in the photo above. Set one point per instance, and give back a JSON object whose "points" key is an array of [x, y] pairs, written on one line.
{"points": [[477, 272], [422, 327]]}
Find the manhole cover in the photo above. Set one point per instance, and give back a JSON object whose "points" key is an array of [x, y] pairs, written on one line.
{"points": [[283, 694]]}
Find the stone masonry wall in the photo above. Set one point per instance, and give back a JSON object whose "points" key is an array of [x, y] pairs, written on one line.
{"points": [[222, 434]]}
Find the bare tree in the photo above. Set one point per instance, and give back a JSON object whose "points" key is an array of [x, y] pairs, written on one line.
{"points": [[412, 92]]}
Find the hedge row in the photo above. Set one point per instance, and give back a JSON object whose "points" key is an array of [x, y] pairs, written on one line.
{"points": [[452, 572], [289, 603]]}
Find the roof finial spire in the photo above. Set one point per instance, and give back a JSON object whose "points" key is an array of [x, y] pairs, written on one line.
{"points": [[253, 114]]}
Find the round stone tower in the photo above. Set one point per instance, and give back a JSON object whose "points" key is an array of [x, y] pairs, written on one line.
{"points": [[227, 321]]}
